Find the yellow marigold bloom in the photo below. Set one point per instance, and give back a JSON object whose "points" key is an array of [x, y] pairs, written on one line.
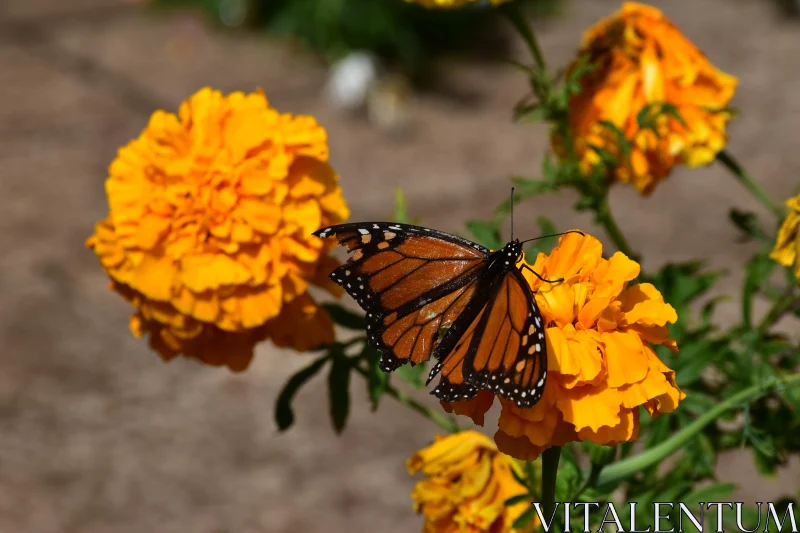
{"points": [[451, 4], [643, 62], [209, 229], [601, 363], [787, 244], [467, 482]]}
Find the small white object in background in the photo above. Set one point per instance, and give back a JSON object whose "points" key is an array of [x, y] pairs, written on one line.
{"points": [[350, 80]]}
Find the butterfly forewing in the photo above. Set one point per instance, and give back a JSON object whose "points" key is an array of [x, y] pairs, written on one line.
{"points": [[412, 281]]}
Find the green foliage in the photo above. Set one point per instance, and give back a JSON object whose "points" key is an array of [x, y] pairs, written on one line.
{"points": [[401, 32]]}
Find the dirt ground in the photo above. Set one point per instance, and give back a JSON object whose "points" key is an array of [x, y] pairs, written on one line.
{"points": [[98, 436]]}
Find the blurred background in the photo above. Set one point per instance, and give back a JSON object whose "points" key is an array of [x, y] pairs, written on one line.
{"points": [[98, 435]]}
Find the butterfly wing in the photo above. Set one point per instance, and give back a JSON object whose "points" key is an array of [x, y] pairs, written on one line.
{"points": [[503, 350], [411, 281]]}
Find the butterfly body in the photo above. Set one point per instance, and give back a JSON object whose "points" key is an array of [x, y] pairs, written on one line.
{"points": [[428, 292]]}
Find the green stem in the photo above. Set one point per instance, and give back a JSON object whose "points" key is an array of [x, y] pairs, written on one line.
{"points": [[749, 183], [550, 459], [447, 423], [628, 467], [606, 219], [514, 15]]}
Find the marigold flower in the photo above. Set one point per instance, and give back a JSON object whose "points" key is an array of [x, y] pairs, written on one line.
{"points": [[209, 229], [787, 243], [451, 4], [644, 65], [467, 483], [602, 367]]}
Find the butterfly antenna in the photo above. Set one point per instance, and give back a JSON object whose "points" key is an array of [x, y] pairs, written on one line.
{"points": [[555, 235], [512, 213], [559, 280]]}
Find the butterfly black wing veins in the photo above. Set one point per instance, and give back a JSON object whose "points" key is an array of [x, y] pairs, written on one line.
{"points": [[463, 304]]}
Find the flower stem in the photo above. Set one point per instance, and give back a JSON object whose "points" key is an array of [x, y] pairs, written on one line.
{"points": [[749, 183], [550, 459], [514, 15], [606, 219], [628, 467], [446, 422]]}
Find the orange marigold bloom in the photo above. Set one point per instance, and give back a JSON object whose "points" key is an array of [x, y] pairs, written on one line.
{"points": [[787, 243], [467, 483], [209, 230], [601, 363], [641, 59]]}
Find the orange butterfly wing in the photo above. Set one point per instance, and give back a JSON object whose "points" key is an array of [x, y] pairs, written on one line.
{"points": [[411, 281], [504, 349]]}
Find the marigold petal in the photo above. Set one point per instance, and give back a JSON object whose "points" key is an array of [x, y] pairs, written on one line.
{"points": [[575, 356], [591, 406], [154, 277], [626, 431], [624, 357]]}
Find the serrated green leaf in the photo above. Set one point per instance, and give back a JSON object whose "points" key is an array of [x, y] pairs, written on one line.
{"points": [[339, 390], [757, 271], [485, 233], [284, 416], [343, 317]]}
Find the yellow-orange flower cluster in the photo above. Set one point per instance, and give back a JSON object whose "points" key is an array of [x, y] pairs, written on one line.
{"points": [[787, 243], [209, 229], [643, 64], [451, 4], [467, 483], [601, 364]]}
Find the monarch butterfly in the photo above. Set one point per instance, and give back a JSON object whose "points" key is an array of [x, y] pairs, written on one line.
{"points": [[427, 292]]}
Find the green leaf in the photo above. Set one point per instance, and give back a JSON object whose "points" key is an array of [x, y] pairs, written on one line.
{"points": [[339, 390], [713, 493], [343, 317], [747, 222], [695, 358], [284, 416], [520, 498], [485, 233], [377, 379], [757, 272]]}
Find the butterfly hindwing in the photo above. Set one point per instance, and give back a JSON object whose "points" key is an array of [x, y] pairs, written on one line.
{"points": [[504, 350], [411, 281]]}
